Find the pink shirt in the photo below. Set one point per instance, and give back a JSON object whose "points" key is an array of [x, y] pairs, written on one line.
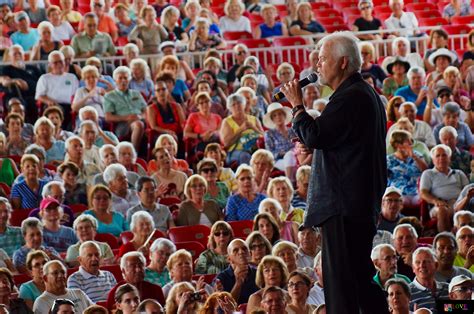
{"points": [[200, 124]]}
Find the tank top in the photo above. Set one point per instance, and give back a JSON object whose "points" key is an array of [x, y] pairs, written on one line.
{"points": [[266, 31], [6, 172], [44, 54], [234, 126], [171, 123]]}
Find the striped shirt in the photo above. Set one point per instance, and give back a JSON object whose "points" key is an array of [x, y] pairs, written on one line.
{"points": [[96, 287], [11, 240], [45, 301], [29, 198], [424, 297], [19, 257], [60, 240]]}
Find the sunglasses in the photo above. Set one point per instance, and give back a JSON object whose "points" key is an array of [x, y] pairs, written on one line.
{"points": [[223, 233]]}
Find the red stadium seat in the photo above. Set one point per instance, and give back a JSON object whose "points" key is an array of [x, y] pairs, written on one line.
{"points": [[209, 278], [219, 11], [78, 209], [457, 43], [382, 9], [18, 215], [351, 11], [198, 233], [339, 5], [337, 28], [71, 271], [433, 21], [193, 247], [428, 240], [237, 35], [320, 5], [241, 228], [51, 167], [108, 238], [292, 55], [122, 41], [461, 20], [412, 7], [115, 270], [265, 57], [427, 14], [383, 16], [5, 189], [142, 162], [20, 279], [327, 13], [330, 21]]}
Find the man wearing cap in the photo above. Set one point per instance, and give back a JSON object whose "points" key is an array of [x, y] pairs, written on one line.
{"points": [[465, 255], [54, 235], [445, 247], [309, 240], [392, 204], [385, 259], [460, 288], [91, 42], [25, 36]]}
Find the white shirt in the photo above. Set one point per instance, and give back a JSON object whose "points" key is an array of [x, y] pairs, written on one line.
{"points": [[63, 32], [45, 301], [59, 88], [92, 155], [407, 20], [316, 295], [226, 24]]}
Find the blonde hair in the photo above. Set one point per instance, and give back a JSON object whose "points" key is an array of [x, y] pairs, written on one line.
{"points": [[161, 138], [303, 172], [276, 180], [171, 306], [90, 69], [191, 180], [219, 225], [451, 70], [29, 157], [262, 154], [272, 260], [283, 245], [244, 168], [179, 254]]}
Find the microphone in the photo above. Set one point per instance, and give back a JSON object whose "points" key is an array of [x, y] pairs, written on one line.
{"points": [[312, 78]]}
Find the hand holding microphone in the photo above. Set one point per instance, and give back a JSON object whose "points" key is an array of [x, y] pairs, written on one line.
{"points": [[289, 89]]}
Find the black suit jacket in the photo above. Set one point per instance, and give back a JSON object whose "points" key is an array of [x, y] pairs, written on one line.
{"points": [[349, 169]]}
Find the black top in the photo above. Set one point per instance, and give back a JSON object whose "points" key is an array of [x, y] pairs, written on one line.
{"points": [[364, 25], [227, 278], [378, 73], [313, 26], [30, 75], [349, 168]]}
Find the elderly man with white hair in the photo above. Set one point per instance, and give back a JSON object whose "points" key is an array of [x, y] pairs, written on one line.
{"points": [[416, 91], [422, 131], [54, 275], [462, 218], [125, 108], [108, 156], [91, 42], [465, 255], [451, 116], [400, 19], [425, 290], [385, 260], [57, 87], [405, 242], [104, 136], [95, 283], [88, 131], [123, 198], [445, 248], [460, 158], [441, 186]]}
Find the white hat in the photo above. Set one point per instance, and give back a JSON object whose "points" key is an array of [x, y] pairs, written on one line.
{"points": [[442, 52], [392, 189], [459, 280], [166, 44], [267, 118]]}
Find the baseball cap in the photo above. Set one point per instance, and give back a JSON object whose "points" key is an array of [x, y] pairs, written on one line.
{"points": [[302, 227], [392, 189], [20, 15], [45, 202], [459, 280]]}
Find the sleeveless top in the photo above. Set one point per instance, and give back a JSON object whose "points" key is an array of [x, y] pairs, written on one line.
{"points": [[167, 120], [44, 54], [234, 126], [266, 31], [6, 172]]}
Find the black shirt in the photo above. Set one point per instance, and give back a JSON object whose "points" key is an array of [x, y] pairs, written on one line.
{"points": [[227, 278], [30, 75], [364, 25]]}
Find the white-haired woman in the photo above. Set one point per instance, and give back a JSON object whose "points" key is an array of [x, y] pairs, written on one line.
{"points": [[90, 94], [451, 115], [69, 55], [281, 189], [131, 52], [149, 34], [127, 156], [288, 229], [251, 103], [250, 80], [367, 50], [123, 198], [140, 79], [157, 272], [284, 73], [105, 137], [239, 132], [44, 137], [451, 78], [262, 79], [142, 226], [169, 20], [191, 10], [201, 40], [234, 21], [46, 44]]}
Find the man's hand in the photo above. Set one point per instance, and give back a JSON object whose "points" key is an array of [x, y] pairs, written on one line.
{"points": [[293, 92], [469, 257], [240, 274]]}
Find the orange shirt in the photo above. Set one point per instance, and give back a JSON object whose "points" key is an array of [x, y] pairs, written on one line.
{"points": [[106, 25]]}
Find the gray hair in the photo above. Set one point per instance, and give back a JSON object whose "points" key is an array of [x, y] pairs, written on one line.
{"points": [[122, 69], [123, 260], [458, 233], [90, 69], [46, 121], [125, 144], [344, 44], [142, 63], [231, 244], [35, 148], [445, 235], [462, 213], [85, 218], [16, 46], [141, 215], [88, 123], [48, 264], [397, 40], [45, 24], [252, 59], [416, 70], [248, 76], [161, 243], [73, 138], [407, 103], [6, 202], [86, 244], [87, 109], [131, 47], [104, 147], [423, 250], [408, 226], [241, 46], [31, 222], [274, 202], [55, 53], [111, 172], [283, 66], [448, 129], [446, 149], [48, 187], [67, 51], [317, 260], [229, 2], [375, 254], [236, 98], [245, 89], [451, 107]]}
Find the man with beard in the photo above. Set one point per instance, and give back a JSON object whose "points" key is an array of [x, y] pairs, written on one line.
{"points": [[89, 278], [385, 261], [445, 247]]}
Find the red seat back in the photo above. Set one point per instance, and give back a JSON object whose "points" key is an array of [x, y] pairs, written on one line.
{"points": [[241, 228], [18, 215], [115, 270], [108, 238], [198, 233], [193, 247]]}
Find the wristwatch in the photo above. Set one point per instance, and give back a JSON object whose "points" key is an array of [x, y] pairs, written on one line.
{"points": [[296, 109]]}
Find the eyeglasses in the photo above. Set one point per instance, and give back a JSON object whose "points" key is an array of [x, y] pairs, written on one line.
{"points": [[391, 200], [223, 233], [257, 246], [160, 89], [462, 289], [296, 284], [364, 8], [207, 170]]}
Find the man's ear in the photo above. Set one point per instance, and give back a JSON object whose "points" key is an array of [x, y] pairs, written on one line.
{"points": [[344, 63]]}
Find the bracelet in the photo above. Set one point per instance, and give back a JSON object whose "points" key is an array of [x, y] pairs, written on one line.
{"points": [[296, 109]]}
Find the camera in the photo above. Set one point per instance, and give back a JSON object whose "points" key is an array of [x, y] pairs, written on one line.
{"points": [[196, 296]]}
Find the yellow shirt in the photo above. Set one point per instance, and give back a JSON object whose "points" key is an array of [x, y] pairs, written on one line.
{"points": [[73, 17], [297, 215], [459, 261]]}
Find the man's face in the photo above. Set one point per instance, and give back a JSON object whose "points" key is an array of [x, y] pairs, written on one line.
{"points": [[90, 26], [110, 156], [75, 149], [88, 134], [134, 271], [147, 194], [308, 239], [424, 266], [416, 81], [397, 6], [387, 262], [328, 67], [90, 259], [122, 81], [464, 220], [85, 231], [4, 215], [441, 160], [392, 205], [274, 303], [51, 214], [408, 112], [239, 254], [462, 291], [448, 139], [311, 93], [445, 251], [57, 65], [56, 278], [405, 241], [465, 240]]}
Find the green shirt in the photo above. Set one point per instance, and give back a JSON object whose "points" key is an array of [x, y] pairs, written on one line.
{"points": [[124, 103], [459, 261], [156, 278], [101, 43], [398, 276]]}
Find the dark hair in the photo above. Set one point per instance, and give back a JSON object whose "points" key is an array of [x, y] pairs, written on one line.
{"points": [[402, 283], [242, 69], [201, 81], [142, 180], [445, 235], [57, 304], [440, 32], [14, 116], [214, 77], [55, 109], [68, 165], [165, 77], [271, 220], [415, 222], [8, 274], [303, 276], [126, 288]]}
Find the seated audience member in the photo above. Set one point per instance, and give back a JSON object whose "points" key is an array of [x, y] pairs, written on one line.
{"points": [[398, 295], [270, 272], [62, 29], [31, 290], [385, 261], [123, 198], [40, 153], [125, 108], [262, 163], [127, 157], [267, 226], [366, 21], [259, 247], [45, 137], [234, 21], [201, 39], [309, 239], [106, 23], [440, 61], [438, 39], [305, 24], [462, 218], [104, 137], [401, 49], [168, 142], [181, 270], [150, 306], [239, 277], [85, 227], [441, 186], [55, 288], [451, 112], [397, 70], [95, 283], [88, 131], [124, 23], [287, 252], [169, 20], [465, 255], [214, 259], [25, 36], [270, 26], [46, 43], [243, 205], [181, 300], [148, 34], [172, 182], [141, 79], [55, 115], [8, 294], [142, 227], [146, 187], [316, 294], [405, 242], [401, 20], [133, 265], [456, 8], [460, 158], [425, 290], [54, 234], [226, 175], [92, 42], [11, 238], [109, 155], [75, 153], [286, 230], [404, 124], [302, 183], [299, 285], [195, 209], [156, 272], [445, 248], [281, 189], [460, 288], [216, 190], [127, 299], [191, 11], [367, 50], [392, 204], [15, 106], [274, 300]]}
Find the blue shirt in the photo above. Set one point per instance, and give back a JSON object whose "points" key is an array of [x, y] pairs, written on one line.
{"points": [[276, 30], [27, 41], [29, 291], [116, 227], [409, 95], [227, 278], [146, 87], [465, 138], [403, 174], [277, 143], [179, 88], [239, 208], [19, 257], [56, 152], [29, 198], [11, 240], [60, 240]]}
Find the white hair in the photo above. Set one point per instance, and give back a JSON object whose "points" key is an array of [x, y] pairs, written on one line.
{"points": [[458, 233], [87, 109], [241, 46], [161, 243], [104, 147], [462, 213], [68, 51], [16, 46], [229, 2], [31, 222], [390, 2], [123, 260], [48, 264], [274, 202], [416, 70], [129, 145], [131, 47], [122, 69], [248, 76], [141, 215], [213, 59], [231, 99], [375, 254], [141, 63], [55, 53], [85, 218], [6, 202], [245, 89], [242, 168], [102, 2], [168, 10], [87, 244], [252, 59], [446, 149], [448, 129], [408, 226], [73, 138], [112, 171], [90, 69], [407, 103], [45, 24], [427, 250], [48, 187], [397, 40], [231, 244], [285, 65], [41, 121], [88, 123], [344, 44]]}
